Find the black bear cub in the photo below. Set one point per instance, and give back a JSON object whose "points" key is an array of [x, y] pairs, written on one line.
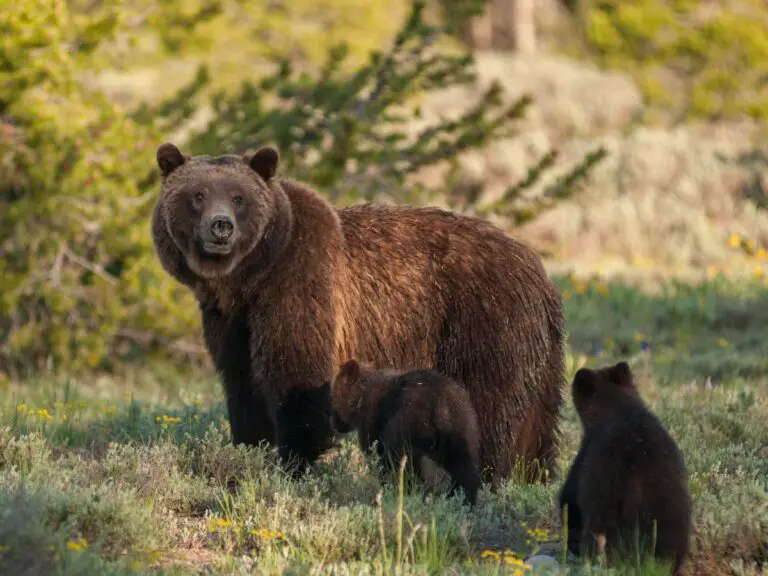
{"points": [[628, 473], [415, 413]]}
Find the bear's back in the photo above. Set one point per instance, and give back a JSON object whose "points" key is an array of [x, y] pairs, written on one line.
{"points": [[406, 268]]}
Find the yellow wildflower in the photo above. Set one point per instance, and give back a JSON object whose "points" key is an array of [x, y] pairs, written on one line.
{"points": [[761, 254], [639, 337], [77, 545], [21, 407], [734, 240], [711, 272], [722, 342], [216, 523], [267, 534], [3, 548], [759, 272], [539, 533], [751, 245], [512, 561], [490, 554], [602, 287], [44, 415]]}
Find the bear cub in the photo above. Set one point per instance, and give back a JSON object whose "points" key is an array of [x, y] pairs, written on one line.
{"points": [[415, 413], [628, 472]]}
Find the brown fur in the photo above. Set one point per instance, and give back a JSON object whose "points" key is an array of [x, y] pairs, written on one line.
{"points": [[418, 413], [628, 472], [309, 286]]}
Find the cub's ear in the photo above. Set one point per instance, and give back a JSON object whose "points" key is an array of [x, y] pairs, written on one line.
{"points": [[621, 375], [584, 383], [349, 372], [264, 162], [169, 158]]}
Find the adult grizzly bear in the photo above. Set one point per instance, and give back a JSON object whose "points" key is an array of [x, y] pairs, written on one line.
{"points": [[290, 287], [628, 473], [417, 413]]}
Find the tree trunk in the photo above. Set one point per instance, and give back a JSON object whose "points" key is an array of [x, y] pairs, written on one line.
{"points": [[504, 25], [479, 35]]}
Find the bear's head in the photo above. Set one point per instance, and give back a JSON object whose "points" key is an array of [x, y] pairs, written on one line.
{"points": [[217, 209], [597, 393], [346, 396]]}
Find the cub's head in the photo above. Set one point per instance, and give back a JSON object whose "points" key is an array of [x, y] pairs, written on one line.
{"points": [[346, 396], [596, 392], [216, 209]]}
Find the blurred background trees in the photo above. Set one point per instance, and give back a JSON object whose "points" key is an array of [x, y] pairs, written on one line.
{"points": [[88, 89], [80, 285]]}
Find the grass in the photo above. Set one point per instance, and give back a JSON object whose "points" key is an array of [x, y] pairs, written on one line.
{"points": [[137, 477]]}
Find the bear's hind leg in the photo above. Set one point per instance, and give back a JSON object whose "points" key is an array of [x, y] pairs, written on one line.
{"points": [[462, 464]]}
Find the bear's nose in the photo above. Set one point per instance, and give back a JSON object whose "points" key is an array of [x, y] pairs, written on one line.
{"points": [[222, 227]]}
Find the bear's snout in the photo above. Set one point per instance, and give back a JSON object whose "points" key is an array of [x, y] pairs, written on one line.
{"points": [[222, 227]]}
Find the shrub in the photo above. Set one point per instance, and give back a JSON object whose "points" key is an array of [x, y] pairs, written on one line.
{"points": [[697, 59]]}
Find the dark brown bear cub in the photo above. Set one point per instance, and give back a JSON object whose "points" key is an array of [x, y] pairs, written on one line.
{"points": [[628, 473], [416, 413]]}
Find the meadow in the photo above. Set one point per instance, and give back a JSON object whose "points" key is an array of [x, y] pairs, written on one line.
{"points": [[136, 474]]}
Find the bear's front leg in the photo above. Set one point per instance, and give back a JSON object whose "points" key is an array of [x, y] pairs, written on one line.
{"points": [[293, 364], [227, 340], [304, 429]]}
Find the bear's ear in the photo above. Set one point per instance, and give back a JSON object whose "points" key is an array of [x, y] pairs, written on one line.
{"points": [[169, 158], [584, 383], [264, 162], [621, 375]]}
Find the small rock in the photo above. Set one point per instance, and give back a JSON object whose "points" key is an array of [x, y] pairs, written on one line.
{"points": [[542, 562]]}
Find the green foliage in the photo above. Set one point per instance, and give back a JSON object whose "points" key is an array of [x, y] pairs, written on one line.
{"points": [[351, 136], [76, 263], [80, 285], [700, 60]]}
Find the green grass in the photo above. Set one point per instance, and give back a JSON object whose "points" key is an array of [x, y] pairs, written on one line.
{"points": [[138, 476]]}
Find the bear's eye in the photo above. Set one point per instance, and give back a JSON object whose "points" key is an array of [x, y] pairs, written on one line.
{"points": [[237, 200], [199, 196]]}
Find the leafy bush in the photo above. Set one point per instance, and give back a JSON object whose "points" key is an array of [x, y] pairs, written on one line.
{"points": [[698, 59], [80, 285]]}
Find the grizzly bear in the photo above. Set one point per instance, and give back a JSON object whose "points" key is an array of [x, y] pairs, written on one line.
{"points": [[289, 287], [416, 413], [628, 473]]}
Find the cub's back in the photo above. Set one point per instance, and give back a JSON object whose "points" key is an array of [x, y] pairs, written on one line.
{"points": [[653, 466], [427, 401]]}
